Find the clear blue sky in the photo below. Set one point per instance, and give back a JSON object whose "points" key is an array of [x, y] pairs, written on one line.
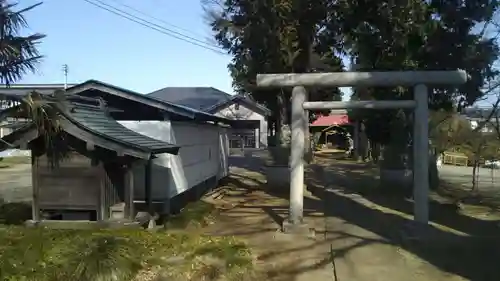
{"points": [[99, 45]]}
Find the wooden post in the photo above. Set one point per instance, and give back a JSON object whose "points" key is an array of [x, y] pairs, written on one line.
{"points": [[129, 193], [149, 196], [101, 213], [147, 186], [36, 191]]}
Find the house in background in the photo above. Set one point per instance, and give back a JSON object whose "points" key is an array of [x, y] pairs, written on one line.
{"points": [[477, 115], [251, 129]]}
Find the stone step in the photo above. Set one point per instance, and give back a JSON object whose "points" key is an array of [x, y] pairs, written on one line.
{"points": [[117, 211]]}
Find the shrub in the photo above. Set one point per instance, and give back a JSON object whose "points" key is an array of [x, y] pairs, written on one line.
{"points": [[87, 255], [14, 213]]}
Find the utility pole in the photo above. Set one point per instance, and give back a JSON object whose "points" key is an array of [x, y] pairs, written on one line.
{"points": [[65, 71]]}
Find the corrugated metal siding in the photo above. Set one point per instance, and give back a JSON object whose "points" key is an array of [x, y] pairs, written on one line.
{"points": [[202, 155]]}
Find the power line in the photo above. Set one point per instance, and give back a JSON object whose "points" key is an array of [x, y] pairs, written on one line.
{"points": [[153, 26], [159, 20]]}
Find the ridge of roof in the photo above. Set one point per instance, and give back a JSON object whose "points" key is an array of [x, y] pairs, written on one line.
{"points": [[244, 98], [199, 98], [164, 105], [96, 120]]}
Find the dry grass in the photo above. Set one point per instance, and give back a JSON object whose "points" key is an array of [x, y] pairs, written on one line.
{"points": [[178, 253]]}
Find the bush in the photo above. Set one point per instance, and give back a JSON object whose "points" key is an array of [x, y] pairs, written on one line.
{"points": [[87, 255], [14, 213]]}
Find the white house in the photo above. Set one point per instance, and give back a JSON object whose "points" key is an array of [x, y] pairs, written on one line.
{"points": [[252, 117], [488, 128], [478, 115], [202, 139]]}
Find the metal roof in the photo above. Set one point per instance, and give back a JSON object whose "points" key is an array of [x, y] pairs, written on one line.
{"points": [[21, 90], [199, 98], [168, 107], [17, 91], [330, 120], [206, 99]]}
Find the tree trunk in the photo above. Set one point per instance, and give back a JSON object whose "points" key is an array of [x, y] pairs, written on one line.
{"points": [[475, 169], [375, 151], [433, 172], [280, 118], [363, 144]]}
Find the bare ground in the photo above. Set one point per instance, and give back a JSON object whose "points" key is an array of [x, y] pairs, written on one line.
{"points": [[361, 234], [15, 183], [249, 212]]}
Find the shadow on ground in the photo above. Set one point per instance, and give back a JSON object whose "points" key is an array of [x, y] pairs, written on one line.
{"points": [[473, 255]]}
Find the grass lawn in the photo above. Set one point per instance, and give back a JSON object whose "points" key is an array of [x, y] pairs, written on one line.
{"points": [[126, 254], [7, 162]]}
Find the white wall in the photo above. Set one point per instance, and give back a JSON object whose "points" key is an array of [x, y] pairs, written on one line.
{"points": [[203, 154], [485, 129], [244, 113]]}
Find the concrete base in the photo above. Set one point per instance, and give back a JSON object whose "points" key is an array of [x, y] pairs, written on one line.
{"points": [[416, 231], [297, 229], [277, 176], [62, 224], [396, 180]]}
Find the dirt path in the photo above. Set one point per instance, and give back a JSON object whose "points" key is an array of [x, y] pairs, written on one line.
{"points": [[362, 232], [15, 183], [372, 240], [249, 211], [363, 255]]}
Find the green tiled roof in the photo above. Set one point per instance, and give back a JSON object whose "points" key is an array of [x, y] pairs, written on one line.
{"points": [[95, 120]]}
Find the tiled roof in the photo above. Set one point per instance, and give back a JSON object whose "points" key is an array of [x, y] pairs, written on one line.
{"points": [[97, 121], [91, 116]]}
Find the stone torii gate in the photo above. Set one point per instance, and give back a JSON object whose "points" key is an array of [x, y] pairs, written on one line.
{"points": [[299, 123]]}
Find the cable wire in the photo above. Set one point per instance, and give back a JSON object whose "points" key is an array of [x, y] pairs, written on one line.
{"points": [[153, 26], [160, 20]]}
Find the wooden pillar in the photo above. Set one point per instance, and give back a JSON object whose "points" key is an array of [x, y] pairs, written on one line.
{"points": [[101, 172], [102, 192], [35, 206], [149, 194], [148, 187], [129, 193]]}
